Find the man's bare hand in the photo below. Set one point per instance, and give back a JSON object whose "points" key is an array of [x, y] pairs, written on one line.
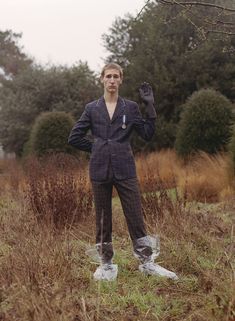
{"points": [[146, 93]]}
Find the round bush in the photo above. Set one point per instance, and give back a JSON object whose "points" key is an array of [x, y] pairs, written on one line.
{"points": [[50, 134], [205, 123]]}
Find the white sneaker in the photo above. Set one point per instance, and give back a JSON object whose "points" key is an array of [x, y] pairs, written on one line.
{"points": [[106, 272], [150, 268]]}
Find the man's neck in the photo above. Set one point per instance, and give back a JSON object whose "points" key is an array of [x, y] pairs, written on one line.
{"points": [[110, 98]]}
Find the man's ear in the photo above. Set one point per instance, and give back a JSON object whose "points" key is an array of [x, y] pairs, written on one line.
{"points": [[101, 79]]}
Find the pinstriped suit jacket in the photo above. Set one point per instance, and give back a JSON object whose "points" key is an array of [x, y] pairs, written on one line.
{"points": [[111, 146]]}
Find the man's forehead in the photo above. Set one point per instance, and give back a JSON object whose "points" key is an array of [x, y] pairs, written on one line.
{"points": [[111, 71]]}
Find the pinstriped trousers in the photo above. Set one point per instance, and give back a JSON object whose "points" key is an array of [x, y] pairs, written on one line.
{"points": [[129, 194]]}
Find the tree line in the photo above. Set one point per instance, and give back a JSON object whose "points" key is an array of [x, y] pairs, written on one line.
{"points": [[162, 45]]}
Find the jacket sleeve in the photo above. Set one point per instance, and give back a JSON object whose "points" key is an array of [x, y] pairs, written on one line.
{"points": [[77, 137], [145, 128]]}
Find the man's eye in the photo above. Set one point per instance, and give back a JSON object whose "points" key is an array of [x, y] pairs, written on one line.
{"points": [[108, 76]]}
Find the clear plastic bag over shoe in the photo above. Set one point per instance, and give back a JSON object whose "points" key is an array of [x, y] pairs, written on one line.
{"points": [[102, 253], [93, 254], [147, 248], [146, 256], [106, 272], [155, 244], [151, 268]]}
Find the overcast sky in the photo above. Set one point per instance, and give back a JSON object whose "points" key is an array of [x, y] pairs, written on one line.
{"points": [[64, 31]]}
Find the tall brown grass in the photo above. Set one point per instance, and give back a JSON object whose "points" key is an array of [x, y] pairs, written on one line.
{"points": [[206, 178], [57, 189], [11, 177], [193, 235], [45, 274], [40, 274], [156, 166]]}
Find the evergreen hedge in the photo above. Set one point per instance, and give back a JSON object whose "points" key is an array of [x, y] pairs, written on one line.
{"points": [[50, 133], [205, 123]]}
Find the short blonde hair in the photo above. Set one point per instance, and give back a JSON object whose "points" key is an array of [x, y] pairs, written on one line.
{"points": [[112, 65]]}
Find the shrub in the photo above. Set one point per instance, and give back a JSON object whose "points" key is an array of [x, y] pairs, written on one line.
{"points": [[164, 137], [57, 192], [50, 134], [165, 134], [205, 123]]}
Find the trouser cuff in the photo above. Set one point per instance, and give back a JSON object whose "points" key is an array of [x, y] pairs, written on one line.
{"points": [[105, 251]]}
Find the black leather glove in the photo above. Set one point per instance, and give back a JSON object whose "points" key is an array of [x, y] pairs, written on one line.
{"points": [[146, 94]]}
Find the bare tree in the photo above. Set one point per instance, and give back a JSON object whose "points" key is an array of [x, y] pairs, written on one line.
{"points": [[207, 16]]}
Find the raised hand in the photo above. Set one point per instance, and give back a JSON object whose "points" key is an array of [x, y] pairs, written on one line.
{"points": [[146, 93]]}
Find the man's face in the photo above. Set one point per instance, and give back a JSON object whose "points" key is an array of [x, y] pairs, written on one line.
{"points": [[111, 80]]}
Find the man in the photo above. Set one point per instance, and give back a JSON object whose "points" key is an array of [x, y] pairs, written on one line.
{"points": [[111, 120]]}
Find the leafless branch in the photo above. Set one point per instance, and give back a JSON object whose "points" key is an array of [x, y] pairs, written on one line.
{"points": [[228, 33], [146, 3], [216, 23], [196, 3]]}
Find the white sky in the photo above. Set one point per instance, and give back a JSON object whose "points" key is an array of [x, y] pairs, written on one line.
{"points": [[64, 31]]}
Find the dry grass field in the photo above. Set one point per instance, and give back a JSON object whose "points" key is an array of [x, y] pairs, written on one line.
{"points": [[47, 223]]}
